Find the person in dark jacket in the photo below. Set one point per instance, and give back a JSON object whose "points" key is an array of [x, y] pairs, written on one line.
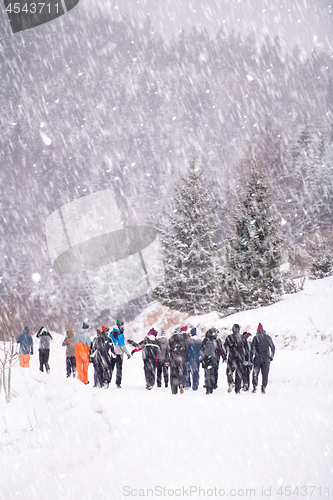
{"points": [[247, 365], [161, 363], [118, 339], [262, 353], [211, 351], [236, 347], [192, 360], [70, 353], [26, 347], [150, 351], [101, 353], [44, 349], [175, 358]]}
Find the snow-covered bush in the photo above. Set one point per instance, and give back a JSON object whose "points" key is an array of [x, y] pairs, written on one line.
{"points": [[321, 267]]}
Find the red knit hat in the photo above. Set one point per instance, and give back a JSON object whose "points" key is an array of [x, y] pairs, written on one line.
{"points": [[105, 328], [246, 334], [152, 331], [184, 328], [260, 327]]}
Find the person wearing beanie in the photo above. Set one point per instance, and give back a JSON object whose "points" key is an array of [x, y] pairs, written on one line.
{"points": [[237, 349], [262, 353], [70, 354], [44, 349], [176, 358], [101, 354], [150, 352], [247, 365], [192, 361], [120, 325], [82, 343], [118, 339], [211, 351], [26, 347], [161, 363]]}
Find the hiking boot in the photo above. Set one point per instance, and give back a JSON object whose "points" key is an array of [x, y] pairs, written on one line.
{"points": [[263, 389], [231, 386], [118, 386], [181, 389], [254, 389]]}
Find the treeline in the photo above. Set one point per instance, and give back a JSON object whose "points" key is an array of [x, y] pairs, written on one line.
{"points": [[123, 109]]}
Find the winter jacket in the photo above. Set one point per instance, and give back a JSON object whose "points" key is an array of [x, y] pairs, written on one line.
{"points": [[211, 344], [83, 337], [26, 342], [102, 349], [69, 343], [163, 341], [236, 347], [150, 347], [45, 338], [118, 340], [247, 359], [262, 348], [194, 347], [176, 350]]}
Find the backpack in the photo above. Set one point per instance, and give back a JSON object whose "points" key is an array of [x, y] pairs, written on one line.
{"points": [[177, 346], [210, 348]]}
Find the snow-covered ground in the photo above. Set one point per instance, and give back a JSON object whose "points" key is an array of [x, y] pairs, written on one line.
{"points": [[61, 440]]}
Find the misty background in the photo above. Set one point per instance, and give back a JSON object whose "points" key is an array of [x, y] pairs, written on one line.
{"points": [[118, 97]]}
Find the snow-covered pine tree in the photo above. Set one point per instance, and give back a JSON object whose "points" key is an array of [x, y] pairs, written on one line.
{"points": [[188, 248], [253, 253]]}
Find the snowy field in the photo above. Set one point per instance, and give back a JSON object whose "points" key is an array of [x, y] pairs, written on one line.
{"points": [[61, 440]]}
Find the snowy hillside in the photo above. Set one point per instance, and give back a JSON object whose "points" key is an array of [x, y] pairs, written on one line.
{"points": [[297, 321], [62, 440]]}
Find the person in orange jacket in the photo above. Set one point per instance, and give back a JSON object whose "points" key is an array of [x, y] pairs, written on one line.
{"points": [[82, 342]]}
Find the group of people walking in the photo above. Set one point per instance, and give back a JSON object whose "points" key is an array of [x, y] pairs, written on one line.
{"points": [[183, 353]]}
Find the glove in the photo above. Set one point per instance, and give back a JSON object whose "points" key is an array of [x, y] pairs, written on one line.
{"points": [[271, 358], [200, 358], [128, 356]]}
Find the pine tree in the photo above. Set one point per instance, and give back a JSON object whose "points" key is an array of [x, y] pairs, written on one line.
{"points": [[253, 254], [188, 247]]}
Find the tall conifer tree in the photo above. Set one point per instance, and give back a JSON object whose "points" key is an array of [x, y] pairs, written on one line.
{"points": [[254, 251], [188, 247]]}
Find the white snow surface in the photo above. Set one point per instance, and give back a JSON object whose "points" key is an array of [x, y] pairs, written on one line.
{"points": [[60, 439]]}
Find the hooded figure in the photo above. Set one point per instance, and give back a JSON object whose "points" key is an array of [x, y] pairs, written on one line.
{"points": [[82, 342], [101, 353], [262, 353], [161, 362], [118, 340], [44, 349], [211, 351], [150, 352], [237, 349], [192, 360], [176, 358], [26, 347], [70, 353]]}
